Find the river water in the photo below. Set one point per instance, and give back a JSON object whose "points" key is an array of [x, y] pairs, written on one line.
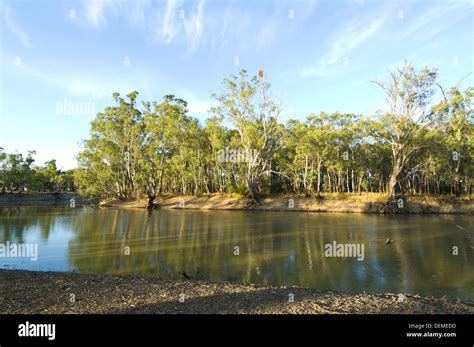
{"points": [[429, 255]]}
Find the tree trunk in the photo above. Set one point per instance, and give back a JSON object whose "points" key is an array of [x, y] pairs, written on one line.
{"points": [[318, 188], [394, 177], [150, 203], [329, 182], [252, 193], [347, 181]]}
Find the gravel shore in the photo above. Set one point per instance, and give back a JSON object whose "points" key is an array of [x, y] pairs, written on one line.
{"points": [[28, 292]]}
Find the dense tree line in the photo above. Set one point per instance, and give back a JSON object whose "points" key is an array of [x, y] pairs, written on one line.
{"points": [[19, 174], [419, 146]]}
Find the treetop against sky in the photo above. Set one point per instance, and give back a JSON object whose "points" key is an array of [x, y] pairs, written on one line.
{"points": [[62, 60]]}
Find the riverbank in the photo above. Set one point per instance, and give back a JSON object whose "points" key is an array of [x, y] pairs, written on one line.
{"points": [[29, 292], [43, 199], [344, 202], [348, 203]]}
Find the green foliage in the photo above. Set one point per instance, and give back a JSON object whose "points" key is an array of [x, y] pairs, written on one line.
{"points": [[17, 173], [243, 148], [109, 164]]}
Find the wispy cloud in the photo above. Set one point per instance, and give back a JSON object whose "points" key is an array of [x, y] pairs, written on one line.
{"points": [[171, 22], [94, 11], [194, 28], [14, 28], [350, 38], [137, 12], [437, 19], [342, 45], [236, 28], [188, 22], [169, 26]]}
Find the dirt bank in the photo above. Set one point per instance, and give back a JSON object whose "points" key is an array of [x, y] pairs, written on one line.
{"points": [[366, 203], [27, 292], [42, 199]]}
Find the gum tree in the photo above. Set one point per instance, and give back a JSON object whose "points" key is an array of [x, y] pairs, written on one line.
{"points": [[408, 93], [109, 164], [164, 128], [247, 104], [457, 131]]}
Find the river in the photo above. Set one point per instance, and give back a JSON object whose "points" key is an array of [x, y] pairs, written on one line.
{"points": [[429, 255]]}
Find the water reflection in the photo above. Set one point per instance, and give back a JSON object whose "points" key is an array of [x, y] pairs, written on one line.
{"points": [[278, 248]]}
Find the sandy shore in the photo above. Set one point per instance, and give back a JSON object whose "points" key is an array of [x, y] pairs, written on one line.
{"points": [[27, 292], [349, 203], [343, 202]]}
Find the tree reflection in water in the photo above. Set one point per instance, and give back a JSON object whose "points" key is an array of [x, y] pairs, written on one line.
{"points": [[277, 248]]}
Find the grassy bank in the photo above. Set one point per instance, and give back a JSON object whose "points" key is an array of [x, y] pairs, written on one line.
{"points": [[365, 203], [27, 292]]}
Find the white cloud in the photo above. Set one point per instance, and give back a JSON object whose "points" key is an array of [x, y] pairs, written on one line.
{"points": [[94, 10], [350, 38], [430, 23], [241, 30], [16, 30], [199, 107], [346, 41], [169, 27], [137, 12], [194, 28], [197, 104]]}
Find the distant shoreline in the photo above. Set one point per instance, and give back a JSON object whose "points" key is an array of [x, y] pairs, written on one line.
{"points": [[342, 203], [41, 199], [32, 292]]}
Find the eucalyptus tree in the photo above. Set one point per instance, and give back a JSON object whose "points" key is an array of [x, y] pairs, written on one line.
{"points": [[188, 165], [457, 124], [408, 94], [164, 129], [52, 175], [219, 170], [321, 140], [298, 167], [18, 172], [413, 147], [109, 163], [248, 105]]}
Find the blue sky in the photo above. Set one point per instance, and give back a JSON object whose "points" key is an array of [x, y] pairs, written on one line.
{"points": [[318, 56]]}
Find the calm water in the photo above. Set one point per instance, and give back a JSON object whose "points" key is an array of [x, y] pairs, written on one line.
{"points": [[279, 248]]}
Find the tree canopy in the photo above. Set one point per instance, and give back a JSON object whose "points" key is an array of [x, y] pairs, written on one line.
{"points": [[418, 145]]}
